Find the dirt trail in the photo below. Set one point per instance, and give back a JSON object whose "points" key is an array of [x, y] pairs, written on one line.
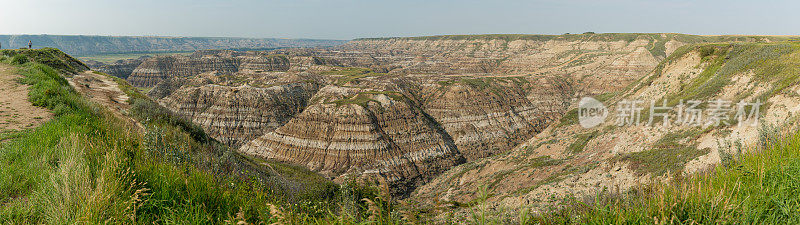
{"points": [[104, 90], [100, 89], [16, 112]]}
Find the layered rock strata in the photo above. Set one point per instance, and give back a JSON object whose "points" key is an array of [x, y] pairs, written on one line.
{"points": [[235, 115], [486, 116], [379, 135]]}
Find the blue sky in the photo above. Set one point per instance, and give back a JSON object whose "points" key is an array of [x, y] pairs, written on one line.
{"points": [[347, 19]]}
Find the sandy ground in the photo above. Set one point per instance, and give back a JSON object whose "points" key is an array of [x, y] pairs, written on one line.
{"points": [[104, 90], [101, 89], [16, 112]]}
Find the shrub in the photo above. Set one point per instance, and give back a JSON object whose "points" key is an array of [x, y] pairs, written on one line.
{"points": [[706, 51], [151, 112]]}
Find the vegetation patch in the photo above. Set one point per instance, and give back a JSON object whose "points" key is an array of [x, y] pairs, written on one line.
{"points": [[363, 98], [580, 142], [350, 74], [668, 155], [569, 118], [51, 57]]}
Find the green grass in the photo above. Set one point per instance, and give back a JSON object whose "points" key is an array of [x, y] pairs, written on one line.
{"points": [[351, 74], [580, 142], [86, 165], [668, 154], [362, 98], [51, 57], [69, 169]]}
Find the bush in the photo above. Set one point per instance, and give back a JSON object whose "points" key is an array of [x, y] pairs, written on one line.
{"points": [[151, 112], [706, 51]]}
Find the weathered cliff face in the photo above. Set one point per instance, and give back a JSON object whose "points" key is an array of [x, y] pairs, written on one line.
{"points": [[156, 69], [486, 116], [600, 65], [235, 113], [596, 63]]}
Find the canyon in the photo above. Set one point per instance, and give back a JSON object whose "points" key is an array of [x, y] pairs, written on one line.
{"points": [[437, 119]]}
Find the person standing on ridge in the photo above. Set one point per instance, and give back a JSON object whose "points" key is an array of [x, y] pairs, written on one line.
{"points": [[30, 45]]}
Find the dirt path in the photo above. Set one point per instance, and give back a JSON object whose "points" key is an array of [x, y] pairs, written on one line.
{"points": [[100, 89], [16, 112], [104, 90]]}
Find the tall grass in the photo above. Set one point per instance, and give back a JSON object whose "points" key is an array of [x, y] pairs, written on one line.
{"points": [[70, 169], [761, 186]]}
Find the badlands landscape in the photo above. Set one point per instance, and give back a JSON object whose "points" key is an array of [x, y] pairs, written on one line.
{"points": [[437, 119], [476, 129]]}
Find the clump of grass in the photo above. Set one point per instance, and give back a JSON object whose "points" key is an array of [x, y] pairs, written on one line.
{"points": [[706, 51], [668, 155], [580, 142], [146, 110], [351, 74], [569, 118], [362, 98]]}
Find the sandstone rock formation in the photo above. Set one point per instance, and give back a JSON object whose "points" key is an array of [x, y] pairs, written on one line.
{"points": [[486, 116], [379, 134], [237, 114]]}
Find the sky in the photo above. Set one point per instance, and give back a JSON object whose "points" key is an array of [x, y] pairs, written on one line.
{"points": [[349, 19]]}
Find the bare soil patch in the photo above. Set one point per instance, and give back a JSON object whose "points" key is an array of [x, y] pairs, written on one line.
{"points": [[16, 112]]}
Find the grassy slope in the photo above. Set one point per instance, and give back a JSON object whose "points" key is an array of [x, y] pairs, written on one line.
{"points": [[757, 187], [88, 166]]}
